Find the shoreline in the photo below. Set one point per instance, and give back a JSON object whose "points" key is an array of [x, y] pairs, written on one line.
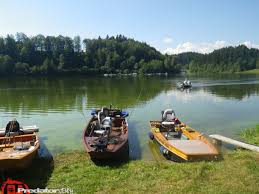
{"points": [[76, 171], [252, 72], [107, 75]]}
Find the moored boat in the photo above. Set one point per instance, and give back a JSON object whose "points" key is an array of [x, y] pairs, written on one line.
{"points": [[179, 142], [17, 151], [106, 134]]}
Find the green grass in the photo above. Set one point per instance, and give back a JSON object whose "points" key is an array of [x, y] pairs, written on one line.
{"points": [[253, 71], [237, 172], [251, 135]]}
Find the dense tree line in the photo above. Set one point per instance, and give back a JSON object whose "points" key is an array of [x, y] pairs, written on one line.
{"points": [[40, 54], [50, 54], [229, 59]]}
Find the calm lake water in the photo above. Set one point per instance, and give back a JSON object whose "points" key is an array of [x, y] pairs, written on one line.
{"points": [[61, 106]]}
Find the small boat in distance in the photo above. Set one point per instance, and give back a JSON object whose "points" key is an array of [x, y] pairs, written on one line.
{"points": [[179, 142], [185, 84], [17, 151], [106, 134]]}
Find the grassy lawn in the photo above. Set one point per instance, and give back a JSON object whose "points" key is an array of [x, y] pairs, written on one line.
{"points": [[253, 71], [237, 172]]}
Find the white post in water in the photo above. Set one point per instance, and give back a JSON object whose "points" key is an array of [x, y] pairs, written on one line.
{"points": [[235, 142]]}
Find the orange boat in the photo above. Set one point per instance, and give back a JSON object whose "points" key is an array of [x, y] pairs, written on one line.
{"points": [[17, 151], [180, 142]]}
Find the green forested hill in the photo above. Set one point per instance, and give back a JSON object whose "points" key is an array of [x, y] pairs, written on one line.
{"points": [[48, 55], [59, 54], [229, 59]]}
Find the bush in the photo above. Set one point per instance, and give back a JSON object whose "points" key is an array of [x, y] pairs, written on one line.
{"points": [[6, 64], [22, 68]]}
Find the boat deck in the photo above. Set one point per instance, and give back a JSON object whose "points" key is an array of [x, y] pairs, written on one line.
{"points": [[191, 147]]}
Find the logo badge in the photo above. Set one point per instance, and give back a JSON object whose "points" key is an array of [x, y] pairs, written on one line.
{"points": [[13, 187]]}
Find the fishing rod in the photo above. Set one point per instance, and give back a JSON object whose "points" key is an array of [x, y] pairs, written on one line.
{"points": [[138, 98]]}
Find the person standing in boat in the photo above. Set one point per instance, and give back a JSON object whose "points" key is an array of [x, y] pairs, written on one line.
{"points": [[12, 126]]}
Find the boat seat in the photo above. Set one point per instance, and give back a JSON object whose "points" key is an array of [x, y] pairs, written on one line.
{"points": [[167, 123], [168, 115], [106, 123], [100, 132]]}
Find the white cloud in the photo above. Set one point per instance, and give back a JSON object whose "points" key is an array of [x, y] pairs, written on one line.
{"points": [[168, 40], [196, 47], [251, 45], [204, 47]]}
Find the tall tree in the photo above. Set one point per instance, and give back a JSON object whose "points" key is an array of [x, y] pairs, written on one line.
{"points": [[39, 42], [77, 44], [2, 46], [10, 47]]}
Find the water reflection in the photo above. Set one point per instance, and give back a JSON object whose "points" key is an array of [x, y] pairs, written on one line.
{"points": [[26, 95], [235, 91]]}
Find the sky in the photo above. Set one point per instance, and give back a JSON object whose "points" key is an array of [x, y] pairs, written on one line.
{"points": [[171, 26]]}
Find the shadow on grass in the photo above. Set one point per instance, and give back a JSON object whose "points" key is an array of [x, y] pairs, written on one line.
{"points": [[115, 162], [135, 151], [37, 174]]}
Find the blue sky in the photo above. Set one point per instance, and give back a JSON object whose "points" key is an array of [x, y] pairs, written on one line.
{"points": [[169, 25]]}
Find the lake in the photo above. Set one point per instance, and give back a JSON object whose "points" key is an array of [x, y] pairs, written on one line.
{"points": [[223, 104]]}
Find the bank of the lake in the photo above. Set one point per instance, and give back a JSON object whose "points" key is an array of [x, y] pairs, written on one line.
{"points": [[237, 172], [253, 71]]}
